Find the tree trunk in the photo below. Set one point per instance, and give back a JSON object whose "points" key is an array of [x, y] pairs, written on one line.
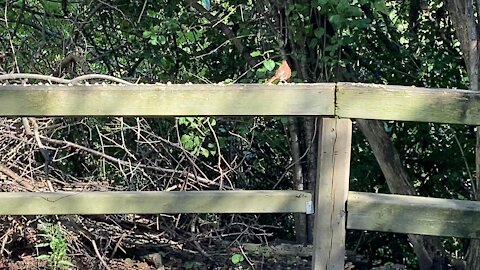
{"points": [[473, 258], [388, 158], [300, 218], [466, 27], [311, 146]]}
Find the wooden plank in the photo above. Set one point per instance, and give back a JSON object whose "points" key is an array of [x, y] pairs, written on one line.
{"points": [[152, 202], [366, 211], [288, 249], [167, 100], [406, 103], [332, 190], [413, 214]]}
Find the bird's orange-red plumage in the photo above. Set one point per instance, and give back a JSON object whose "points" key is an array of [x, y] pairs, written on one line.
{"points": [[282, 74]]}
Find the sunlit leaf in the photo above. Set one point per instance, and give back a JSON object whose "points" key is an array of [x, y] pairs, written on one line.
{"points": [[269, 65]]}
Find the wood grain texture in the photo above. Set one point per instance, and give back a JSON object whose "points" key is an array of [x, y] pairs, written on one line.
{"points": [[413, 214], [406, 103], [152, 202], [332, 190], [367, 101], [366, 211], [167, 100]]}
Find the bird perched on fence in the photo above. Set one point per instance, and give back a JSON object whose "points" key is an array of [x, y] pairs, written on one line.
{"points": [[282, 74]]}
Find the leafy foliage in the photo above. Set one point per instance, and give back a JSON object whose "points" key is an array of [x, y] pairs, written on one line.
{"points": [[57, 258], [173, 41]]}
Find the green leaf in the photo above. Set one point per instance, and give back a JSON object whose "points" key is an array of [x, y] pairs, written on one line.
{"points": [[153, 40], [162, 39], [360, 23], [269, 64], [147, 34], [336, 20], [355, 11], [182, 120], [43, 257], [68, 263], [319, 32], [255, 53], [322, 2], [342, 6], [196, 140], [204, 152], [380, 7], [237, 258], [330, 48], [187, 141], [190, 36]]}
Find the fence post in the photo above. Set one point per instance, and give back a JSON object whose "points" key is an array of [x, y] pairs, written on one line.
{"points": [[331, 193]]}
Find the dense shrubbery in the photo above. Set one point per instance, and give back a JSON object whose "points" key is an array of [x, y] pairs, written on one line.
{"points": [[236, 41]]}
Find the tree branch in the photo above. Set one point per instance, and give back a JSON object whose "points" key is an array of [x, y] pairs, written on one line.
{"points": [[225, 30]]}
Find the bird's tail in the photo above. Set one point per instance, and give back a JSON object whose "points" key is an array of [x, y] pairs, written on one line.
{"points": [[271, 80]]}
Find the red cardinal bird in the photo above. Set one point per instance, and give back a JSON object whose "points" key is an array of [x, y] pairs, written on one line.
{"points": [[282, 74]]}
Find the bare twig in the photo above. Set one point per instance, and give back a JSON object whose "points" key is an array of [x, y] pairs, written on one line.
{"points": [[16, 76], [100, 257], [122, 162], [17, 178], [4, 241]]}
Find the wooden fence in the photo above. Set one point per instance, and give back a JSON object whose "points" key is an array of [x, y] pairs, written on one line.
{"points": [[334, 103]]}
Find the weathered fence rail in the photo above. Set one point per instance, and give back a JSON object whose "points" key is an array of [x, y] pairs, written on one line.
{"points": [[153, 202], [344, 100], [406, 103], [366, 211], [332, 102], [167, 100]]}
